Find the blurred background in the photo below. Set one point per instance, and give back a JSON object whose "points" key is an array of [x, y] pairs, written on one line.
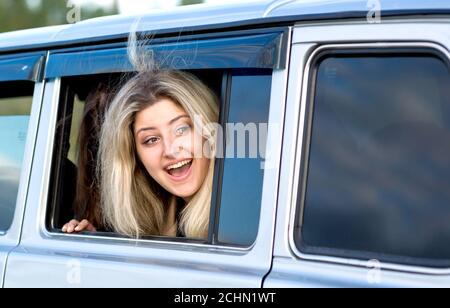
{"points": [[24, 14]]}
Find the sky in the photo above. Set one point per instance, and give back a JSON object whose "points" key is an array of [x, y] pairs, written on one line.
{"points": [[138, 6]]}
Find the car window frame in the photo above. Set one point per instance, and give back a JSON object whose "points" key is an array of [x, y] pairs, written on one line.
{"points": [[24, 67], [303, 145], [279, 65]]}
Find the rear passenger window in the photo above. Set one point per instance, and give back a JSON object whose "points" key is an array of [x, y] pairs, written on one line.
{"points": [[245, 95], [376, 178], [15, 108], [67, 203], [240, 75]]}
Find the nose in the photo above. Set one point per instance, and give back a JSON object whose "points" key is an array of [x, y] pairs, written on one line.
{"points": [[172, 148]]}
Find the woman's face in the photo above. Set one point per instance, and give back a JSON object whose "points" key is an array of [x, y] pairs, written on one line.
{"points": [[170, 149]]}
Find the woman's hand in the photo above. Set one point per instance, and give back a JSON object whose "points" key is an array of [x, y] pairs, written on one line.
{"points": [[76, 226]]}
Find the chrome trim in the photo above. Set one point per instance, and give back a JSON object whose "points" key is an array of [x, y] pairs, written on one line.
{"points": [[299, 158], [166, 244]]}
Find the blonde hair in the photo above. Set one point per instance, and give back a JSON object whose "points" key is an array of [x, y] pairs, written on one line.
{"points": [[132, 202]]}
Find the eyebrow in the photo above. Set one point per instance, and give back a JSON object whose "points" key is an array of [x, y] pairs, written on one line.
{"points": [[170, 123]]}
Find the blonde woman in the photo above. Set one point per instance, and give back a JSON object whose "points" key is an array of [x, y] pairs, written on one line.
{"points": [[155, 177]]}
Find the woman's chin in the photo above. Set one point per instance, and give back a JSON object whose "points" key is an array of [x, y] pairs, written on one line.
{"points": [[185, 193]]}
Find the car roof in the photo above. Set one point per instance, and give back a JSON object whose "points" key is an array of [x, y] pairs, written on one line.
{"points": [[208, 16]]}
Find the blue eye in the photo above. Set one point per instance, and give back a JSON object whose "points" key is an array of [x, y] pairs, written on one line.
{"points": [[182, 130]]}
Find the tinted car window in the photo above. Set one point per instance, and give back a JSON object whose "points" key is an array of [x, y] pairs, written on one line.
{"points": [[14, 117], [378, 175], [243, 175]]}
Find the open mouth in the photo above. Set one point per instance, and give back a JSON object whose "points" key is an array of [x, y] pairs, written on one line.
{"points": [[180, 170]]}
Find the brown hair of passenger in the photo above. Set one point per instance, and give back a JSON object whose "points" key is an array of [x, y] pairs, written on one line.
{"points": [[86, 206]]}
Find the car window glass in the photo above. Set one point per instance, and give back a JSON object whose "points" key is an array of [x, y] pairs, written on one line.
{"points": [[379, 166], [14, 118], [243, 167]]}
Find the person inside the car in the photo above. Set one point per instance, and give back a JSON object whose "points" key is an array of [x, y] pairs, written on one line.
{"points": [[86, 207]]}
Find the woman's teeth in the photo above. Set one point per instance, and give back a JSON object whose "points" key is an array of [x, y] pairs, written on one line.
{"points": [[179, 165]]}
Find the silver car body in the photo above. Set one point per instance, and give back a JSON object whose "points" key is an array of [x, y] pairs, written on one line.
{"points": [[31, 256]]}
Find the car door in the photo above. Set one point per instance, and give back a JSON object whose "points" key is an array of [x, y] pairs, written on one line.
{"points": [[247, 70], [364, 177], [20, 98]]}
